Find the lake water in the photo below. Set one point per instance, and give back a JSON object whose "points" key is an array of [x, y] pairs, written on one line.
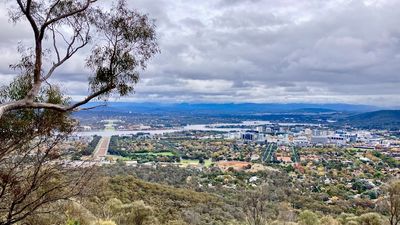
{"points": [[200, 127]]}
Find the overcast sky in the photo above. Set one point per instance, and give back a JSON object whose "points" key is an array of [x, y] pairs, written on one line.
{"points": [[318, 51]]}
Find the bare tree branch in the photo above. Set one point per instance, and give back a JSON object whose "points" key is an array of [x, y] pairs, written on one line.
{"points": [[27, 13], [23, 104], [70, 50], [129, 42], [54, 20]]}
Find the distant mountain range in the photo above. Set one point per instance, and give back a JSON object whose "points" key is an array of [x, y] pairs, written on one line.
{"points": [[232, 108], [363, 116]]}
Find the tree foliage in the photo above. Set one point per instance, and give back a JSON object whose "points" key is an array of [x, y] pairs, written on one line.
{"points": [[392, 202], [122, 41], [35, 114], [308, 218]]}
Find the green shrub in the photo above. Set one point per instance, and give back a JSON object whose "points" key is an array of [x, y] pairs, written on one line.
{"points": [[308, 218]]}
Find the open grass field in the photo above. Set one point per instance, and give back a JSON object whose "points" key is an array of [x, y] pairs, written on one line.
{"points": [[187, 162], [117, 157], [208, 163], [156, 153]]}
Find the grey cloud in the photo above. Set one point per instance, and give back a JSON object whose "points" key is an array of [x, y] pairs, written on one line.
{"points": [[262, 51]]}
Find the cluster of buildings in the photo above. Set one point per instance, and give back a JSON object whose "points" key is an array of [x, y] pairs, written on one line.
{"points": [[311, 135]]}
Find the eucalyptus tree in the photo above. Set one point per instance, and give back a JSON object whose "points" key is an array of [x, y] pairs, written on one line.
{"points": [[121, 40], [35, 114], [392, 201]]}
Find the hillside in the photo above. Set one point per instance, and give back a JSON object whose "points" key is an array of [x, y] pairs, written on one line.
{"points": [[386, 119], [119, 195], [129, 200]]}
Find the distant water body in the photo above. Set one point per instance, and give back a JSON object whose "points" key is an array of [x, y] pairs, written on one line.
{"points": [[198, 127]]}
